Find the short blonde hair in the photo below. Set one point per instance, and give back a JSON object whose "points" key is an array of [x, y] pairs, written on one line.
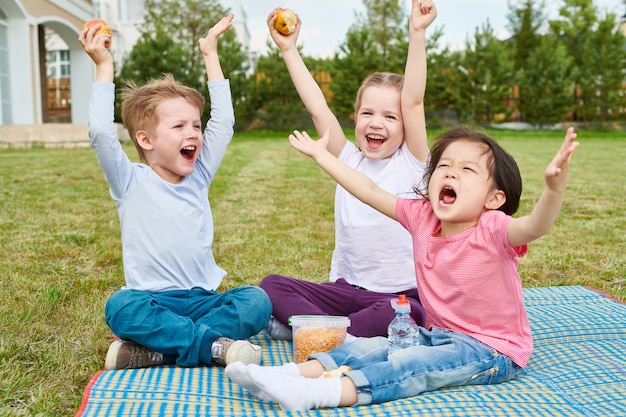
{"points": [[379, 79], [139, 104]]}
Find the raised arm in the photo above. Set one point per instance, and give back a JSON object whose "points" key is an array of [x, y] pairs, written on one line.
{"points": [[309, 91], [525, 229], [357, 184], [412, 98], [208, 46]]}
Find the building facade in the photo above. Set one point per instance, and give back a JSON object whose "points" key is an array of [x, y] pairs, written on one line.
{"points": [[23, 75], [45, 76]]}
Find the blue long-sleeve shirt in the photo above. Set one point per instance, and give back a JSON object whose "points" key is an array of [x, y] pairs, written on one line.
{"points": [[167, 229]]}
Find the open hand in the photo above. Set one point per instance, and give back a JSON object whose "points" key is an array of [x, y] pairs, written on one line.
{"points": [[556, 172], [302, 142], [209, 43]]}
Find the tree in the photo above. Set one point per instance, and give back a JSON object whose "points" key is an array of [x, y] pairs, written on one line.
{"points": [[487, 76], [610, 64], [443, 88], [168, 43], [277, 102], [377, 41], [525, 23], [597, 49], [546, 83], [357, 59], [387, 25]]}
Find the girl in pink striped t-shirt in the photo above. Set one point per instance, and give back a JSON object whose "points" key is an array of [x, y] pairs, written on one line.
{"points": [[466, 247]]}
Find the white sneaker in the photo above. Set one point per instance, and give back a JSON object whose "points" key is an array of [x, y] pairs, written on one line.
{"points": [[226, 351]]}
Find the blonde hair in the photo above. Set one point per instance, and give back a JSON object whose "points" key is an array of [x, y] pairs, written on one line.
{"points": [[379, 79], [139, 104]]}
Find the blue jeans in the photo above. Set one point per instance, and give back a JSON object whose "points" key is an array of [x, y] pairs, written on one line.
{"points": [[443, 358], [183, 324]]}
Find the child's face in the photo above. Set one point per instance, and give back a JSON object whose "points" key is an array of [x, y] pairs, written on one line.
{"points": [[379, 130], [177, 140], [461, 188]]}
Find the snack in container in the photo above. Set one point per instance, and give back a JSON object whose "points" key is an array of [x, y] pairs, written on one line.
{"points": [[312, 334]]}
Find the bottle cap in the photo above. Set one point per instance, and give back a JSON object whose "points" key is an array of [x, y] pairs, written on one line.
{"points": [[401, 304]]}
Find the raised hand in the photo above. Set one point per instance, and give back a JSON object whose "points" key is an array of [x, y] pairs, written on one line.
{"points": [[423, 12], [95, 45], [302, 142], [556, 172], [283, 42], [208, 44]]}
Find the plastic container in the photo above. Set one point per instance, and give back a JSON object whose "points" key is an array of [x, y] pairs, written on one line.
{"points": [[312, 334], [402, 331]]}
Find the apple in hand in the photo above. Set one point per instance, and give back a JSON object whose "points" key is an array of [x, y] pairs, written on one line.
{"points": [[104, 29], [285, 21]]}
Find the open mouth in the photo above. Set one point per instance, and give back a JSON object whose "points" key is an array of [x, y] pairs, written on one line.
{"points": [[188, 152], [447, 195], [375, 138]]}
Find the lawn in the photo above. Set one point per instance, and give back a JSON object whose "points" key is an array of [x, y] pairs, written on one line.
{"points": [[273, 208]]}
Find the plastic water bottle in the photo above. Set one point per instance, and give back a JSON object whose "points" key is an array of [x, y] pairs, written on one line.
{"points": [[402, 331]]}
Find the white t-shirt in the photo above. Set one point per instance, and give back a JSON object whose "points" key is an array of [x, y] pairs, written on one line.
{"points": [[371, 250]]}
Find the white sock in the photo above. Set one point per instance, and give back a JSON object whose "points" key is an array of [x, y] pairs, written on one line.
{"points": [[296, 392], [239, 373]]}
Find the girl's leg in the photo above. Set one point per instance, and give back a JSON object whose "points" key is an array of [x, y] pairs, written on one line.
{"points": [[293, 389], [240, 374], [291, 296], [297, 392], [375, 312], [442, 359], [370, 312]]}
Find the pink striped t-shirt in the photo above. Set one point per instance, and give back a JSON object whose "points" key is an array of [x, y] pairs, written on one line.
{"points": [[469, 282]]}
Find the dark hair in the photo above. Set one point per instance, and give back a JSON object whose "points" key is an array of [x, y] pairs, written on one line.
{"points": [[502, 167]]}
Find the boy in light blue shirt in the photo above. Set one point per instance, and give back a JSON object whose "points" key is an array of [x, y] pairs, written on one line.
{"points": [[169, 311]]}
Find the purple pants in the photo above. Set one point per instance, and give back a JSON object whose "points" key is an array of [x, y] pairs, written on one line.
{"points": [[370, 312]]}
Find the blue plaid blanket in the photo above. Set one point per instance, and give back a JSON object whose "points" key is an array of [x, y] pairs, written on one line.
{"points": [[578, 368]]}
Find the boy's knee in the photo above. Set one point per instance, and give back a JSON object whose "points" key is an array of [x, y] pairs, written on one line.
{"points": [[121, 302], [259, 300], [115, 301]]}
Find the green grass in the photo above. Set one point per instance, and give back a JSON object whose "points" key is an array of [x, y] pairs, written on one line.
{"points": [[273, 208]]}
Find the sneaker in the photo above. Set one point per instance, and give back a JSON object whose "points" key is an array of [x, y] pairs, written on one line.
{"points": [[130, 355], [226, 351], [278, 331]]}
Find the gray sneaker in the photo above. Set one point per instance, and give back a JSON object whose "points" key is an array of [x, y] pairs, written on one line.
{"points": [[131, 355], [226, 351], [278, 331]]}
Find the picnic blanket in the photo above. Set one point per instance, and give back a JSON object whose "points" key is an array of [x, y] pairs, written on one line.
{"points": [[578, 368]]}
